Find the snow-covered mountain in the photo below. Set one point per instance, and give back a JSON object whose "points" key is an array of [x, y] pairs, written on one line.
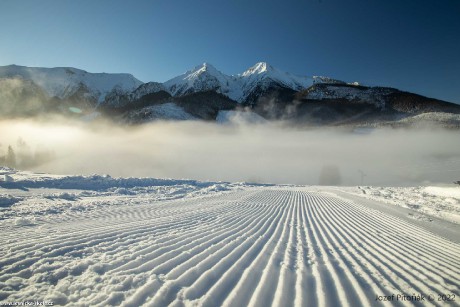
{"points": [[263, 75], [119, 89], [239, 87], [64, 82], [202, 78], [203, 92]]}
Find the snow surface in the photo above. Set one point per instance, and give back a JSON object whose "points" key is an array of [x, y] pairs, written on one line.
{"points": [[452, 192], [37, 194], [431, 201], [98, 241], [62, 82]]}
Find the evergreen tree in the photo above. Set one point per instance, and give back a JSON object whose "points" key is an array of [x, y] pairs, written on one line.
{"points": [[10, 159]]}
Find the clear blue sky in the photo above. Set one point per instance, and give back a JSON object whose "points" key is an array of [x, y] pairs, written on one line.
{"points": [[413, 45]]}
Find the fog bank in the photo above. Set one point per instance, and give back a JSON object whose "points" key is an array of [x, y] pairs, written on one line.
{"points": [[254, 153]]}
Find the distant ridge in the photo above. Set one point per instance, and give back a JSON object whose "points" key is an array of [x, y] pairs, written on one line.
{"points": [[204, 91]]}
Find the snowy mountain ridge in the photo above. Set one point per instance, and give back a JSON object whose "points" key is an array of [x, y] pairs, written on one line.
{"points": [[63, 82], [264, 71], [238, 87], [204, 91], [204, 77]]}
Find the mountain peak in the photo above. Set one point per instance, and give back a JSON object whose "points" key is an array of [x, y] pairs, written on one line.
{"points": [[258, 68], [237, 87], [205, 67], [203, 77], [200, 71]]}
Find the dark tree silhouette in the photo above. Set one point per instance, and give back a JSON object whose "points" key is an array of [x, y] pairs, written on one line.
{"points": [[10, 159]]}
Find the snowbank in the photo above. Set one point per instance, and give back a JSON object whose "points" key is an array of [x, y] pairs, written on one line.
{"points": [[32, 194], [440, 202]]}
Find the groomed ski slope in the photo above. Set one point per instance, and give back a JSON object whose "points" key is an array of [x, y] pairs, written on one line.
{"points": [[250, 246]]}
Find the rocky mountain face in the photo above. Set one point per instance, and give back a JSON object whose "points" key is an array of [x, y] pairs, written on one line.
{"points": [[204, 91], [352, 104]]}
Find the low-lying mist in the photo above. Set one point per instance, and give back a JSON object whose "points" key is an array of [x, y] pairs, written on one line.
{"points": [[267, 153]]}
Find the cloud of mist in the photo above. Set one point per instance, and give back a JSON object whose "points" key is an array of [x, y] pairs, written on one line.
{"points": [[19, 97], [266, 153]]}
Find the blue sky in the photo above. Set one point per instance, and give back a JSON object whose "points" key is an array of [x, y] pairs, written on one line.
{"points": [[412, 45]]}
